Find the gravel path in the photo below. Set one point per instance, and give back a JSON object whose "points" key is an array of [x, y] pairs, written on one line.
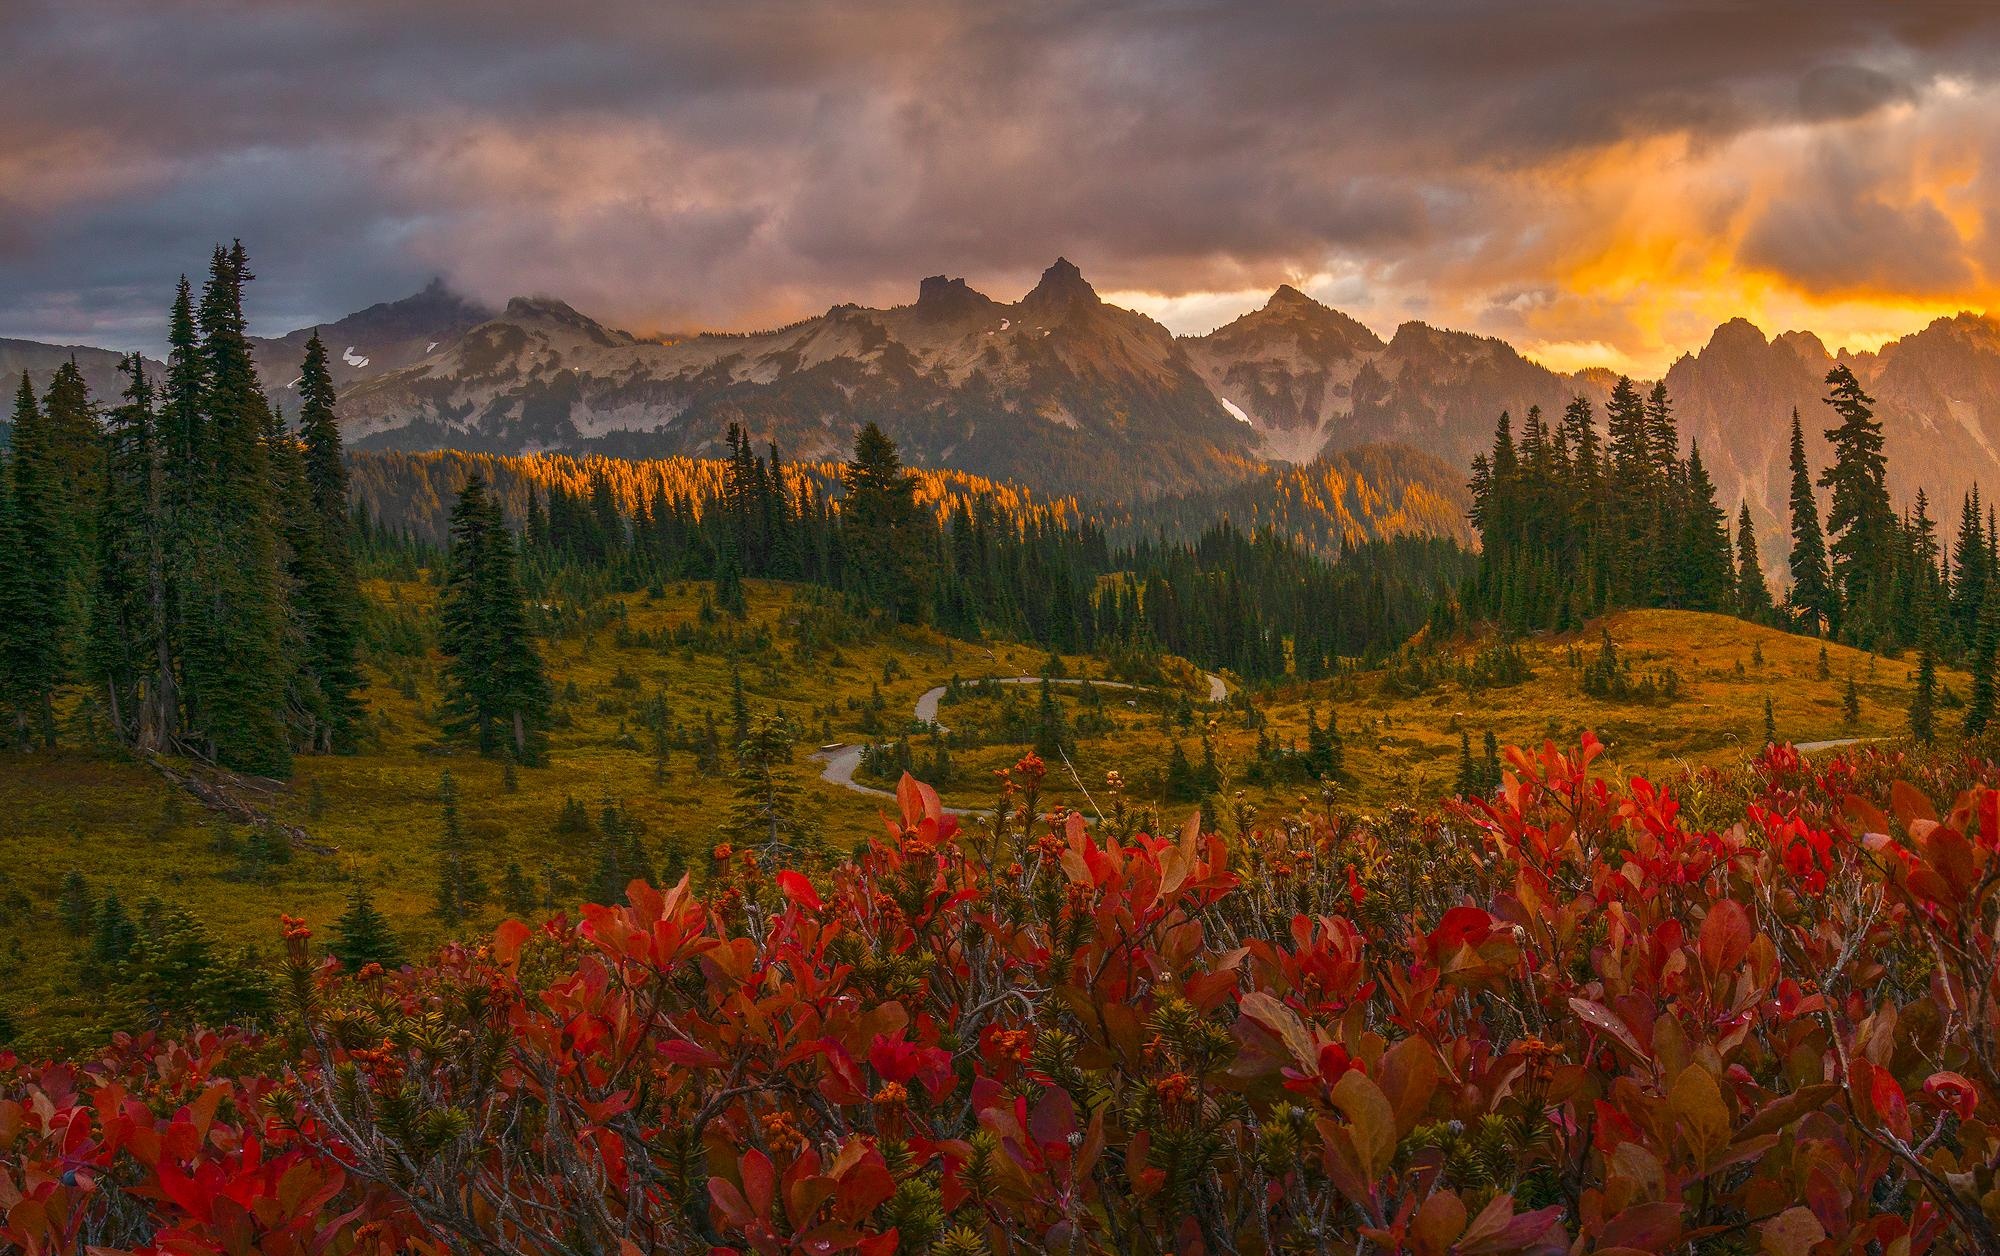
{"points": [[839, 761], [1807, 747]]}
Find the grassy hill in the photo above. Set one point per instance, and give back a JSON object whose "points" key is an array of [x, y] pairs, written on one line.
{"points": [[1406, 746], [131, 833]]}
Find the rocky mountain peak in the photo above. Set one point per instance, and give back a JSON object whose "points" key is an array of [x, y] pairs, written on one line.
{"points": [[1062, 286], [1808, 348], [1738, 335], [942, 299], [1289, 298]]}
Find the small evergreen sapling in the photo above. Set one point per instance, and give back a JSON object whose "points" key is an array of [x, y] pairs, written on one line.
{"points": [[362, 936]]}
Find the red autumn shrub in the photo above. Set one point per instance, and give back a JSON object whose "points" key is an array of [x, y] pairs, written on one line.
{"points": [[1559, 1021]]}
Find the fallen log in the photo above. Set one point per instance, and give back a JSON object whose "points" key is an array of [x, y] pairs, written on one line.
{"points": [[220, 791]]}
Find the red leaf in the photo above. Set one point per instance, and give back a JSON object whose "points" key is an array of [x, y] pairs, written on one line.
{"points": [[1054, 1117], [794, 886], [760, 1181], [1725, 936], [1603, 1018], [1890, 1106], [508, 940]]}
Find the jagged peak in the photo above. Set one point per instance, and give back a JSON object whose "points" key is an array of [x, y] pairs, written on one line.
{"points": [[1738, 332], [942, 297], [1062, 285], [1806, 346], [1288, 297], [1964, 320]]}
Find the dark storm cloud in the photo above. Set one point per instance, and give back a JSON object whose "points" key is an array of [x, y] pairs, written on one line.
{"points": [[680, 164]]}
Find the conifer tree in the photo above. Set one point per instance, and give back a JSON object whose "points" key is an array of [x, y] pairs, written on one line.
{"points": [[1053, 738], [124, 627], [326, 592], [517, 892], [21, 610], [1860, 522], [237, 667], [880, 513], [1630, 451], [1980, 662], [1706, 580], [1470, 777], [1812, 599], [1923, 700], [739, 707], [45, 510], [74, 905], [770, 808], [496, 689], [460, 888], [362, 935], [1753, 595], [1971, 571], [1917, 587], [1850, 703], [1326, 753], [113, 936], [302, 564], [187, 542]]}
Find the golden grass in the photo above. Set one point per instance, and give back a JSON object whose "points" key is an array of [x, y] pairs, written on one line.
{"points": [[74, 810]]}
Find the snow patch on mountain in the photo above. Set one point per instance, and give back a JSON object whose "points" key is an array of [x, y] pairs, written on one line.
{"points": [[353, 359]]}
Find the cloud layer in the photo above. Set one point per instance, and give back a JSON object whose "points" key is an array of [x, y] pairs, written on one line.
{"points": [[1598, 182]]}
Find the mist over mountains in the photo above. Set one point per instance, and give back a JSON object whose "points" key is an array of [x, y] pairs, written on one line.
{"points": [[1066, 393]]}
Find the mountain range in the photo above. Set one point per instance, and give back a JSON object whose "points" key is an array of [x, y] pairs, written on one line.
{"points": [[1066, 393]]}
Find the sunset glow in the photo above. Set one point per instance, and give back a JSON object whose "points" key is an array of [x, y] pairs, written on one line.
{"points": [[1598, 193]]}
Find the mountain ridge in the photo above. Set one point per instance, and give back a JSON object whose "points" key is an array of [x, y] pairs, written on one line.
{"points": [[1068, 393]]}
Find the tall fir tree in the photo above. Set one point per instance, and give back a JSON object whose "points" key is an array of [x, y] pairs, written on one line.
{"points": [[1753, 595], [1923, 698], [47, 510], [21, 607], [879, 511], [1971, 576], [125, 606], [1980, 662], [496, 688], [1707, 577], [1632, 494], [1860, 520], [238, 671], [187, 542], [1813, 601], [327, 592], [1917, 586]]}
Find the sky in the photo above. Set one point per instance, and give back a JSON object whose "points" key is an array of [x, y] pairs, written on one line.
{"points": [[1599, 182]]}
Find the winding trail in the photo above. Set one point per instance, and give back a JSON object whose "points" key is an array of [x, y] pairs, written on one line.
{"points": [[1807, 747], [839, 761]]}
